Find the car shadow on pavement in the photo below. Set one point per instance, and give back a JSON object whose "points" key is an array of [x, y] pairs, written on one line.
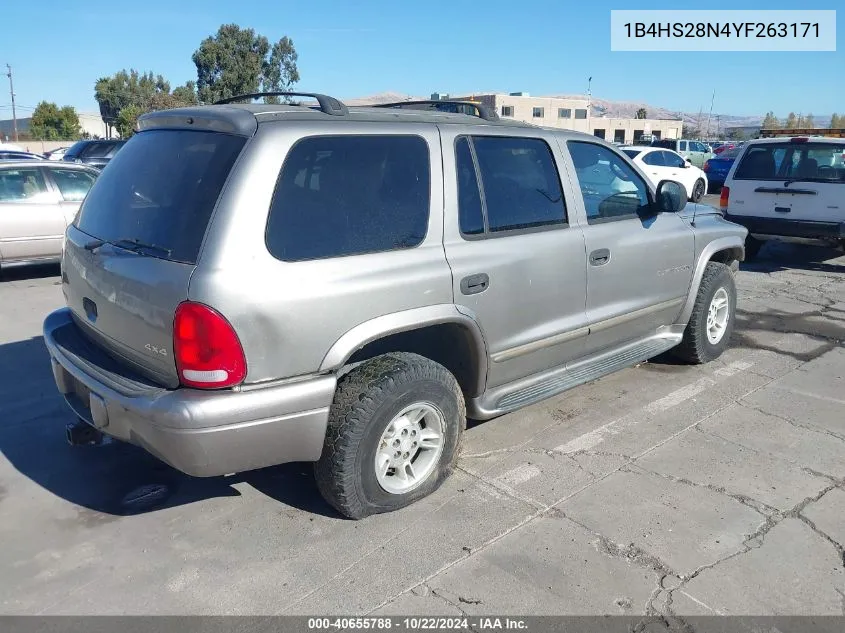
{"points": [[37, 271], [780, 256], [113, 478]]}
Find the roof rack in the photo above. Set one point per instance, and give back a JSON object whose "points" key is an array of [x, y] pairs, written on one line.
{"points": [[328, 105], [457, 107]]}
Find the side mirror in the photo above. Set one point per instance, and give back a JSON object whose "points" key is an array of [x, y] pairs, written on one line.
{"points": [[687, 163], [671, 197]]}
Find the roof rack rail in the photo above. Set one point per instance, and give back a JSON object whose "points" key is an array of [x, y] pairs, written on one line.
{"points": [[328, 105], [457, 107]]}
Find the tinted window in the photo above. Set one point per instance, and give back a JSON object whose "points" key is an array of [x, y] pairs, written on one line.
{"points": [[654, 158], [470, 212], [631, 153], [682, 146], [22, 185], [610, 187], [580, 113], [521, 185], [160, 190], [347, 195], [672, 160], [76, 149], [821, 162], [73, 183]]}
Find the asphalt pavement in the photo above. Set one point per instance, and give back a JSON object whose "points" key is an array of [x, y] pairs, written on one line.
{"points": [[661, 489]]}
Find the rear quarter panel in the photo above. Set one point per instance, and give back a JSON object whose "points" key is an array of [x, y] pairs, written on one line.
{"points": [[289, 314]]}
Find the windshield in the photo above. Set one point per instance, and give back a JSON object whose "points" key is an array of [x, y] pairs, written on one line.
{"points": [[731, 153], [159, 191], [631, 153], [812, 162]]}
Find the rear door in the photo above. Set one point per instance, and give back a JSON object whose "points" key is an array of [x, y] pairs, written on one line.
{"points": [[31, 222], [131, 250], [516, 252], [72, 185], [790, 180]]}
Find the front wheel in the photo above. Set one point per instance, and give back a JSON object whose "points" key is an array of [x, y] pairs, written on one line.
{"points": [[711, 323], [393, 435], [698, 190]]}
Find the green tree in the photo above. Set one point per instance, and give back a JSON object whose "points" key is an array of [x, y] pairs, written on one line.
{"points": [[238, 61], [836, 121], [791, 121], [51, 123], [770, 121], [808, 121], [736, 134], [688, 131], [126, 95], [642, 114]]}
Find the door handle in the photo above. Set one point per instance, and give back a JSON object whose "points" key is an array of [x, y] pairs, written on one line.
{"points": [[600, 257], [473, 284]]}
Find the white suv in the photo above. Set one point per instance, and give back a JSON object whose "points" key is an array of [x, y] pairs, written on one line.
{"points": [[791, 189]]}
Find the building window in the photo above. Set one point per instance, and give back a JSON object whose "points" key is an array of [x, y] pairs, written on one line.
{"points": [[507, 110], [599, 132], [618, 136], [580, 113], [564, 113], [638, 135], [538, 113]]}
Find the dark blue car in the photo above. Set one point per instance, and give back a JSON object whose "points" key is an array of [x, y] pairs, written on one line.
{"points": [[717, 168]]}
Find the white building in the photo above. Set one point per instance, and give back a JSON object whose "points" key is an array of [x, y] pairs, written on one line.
{"points": [[573, 114]]}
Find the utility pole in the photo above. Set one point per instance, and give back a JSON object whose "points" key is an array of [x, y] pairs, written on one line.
{"points": [[14, 115], [710, 114]]}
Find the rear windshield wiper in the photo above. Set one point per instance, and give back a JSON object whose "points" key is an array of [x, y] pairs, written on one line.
{"points": [[137, 246], [808, 179]]}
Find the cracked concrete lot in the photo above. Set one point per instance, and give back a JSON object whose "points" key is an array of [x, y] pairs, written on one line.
{"points": [[662, 489]]}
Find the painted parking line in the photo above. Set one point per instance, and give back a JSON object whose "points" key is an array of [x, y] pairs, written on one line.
{"points": [[597, 436]]}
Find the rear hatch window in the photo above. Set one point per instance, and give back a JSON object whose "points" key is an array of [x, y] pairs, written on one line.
{"points": [[158, 193], [793, 161]]}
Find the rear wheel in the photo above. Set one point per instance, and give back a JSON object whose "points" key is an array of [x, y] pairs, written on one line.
{"points": [[712, 320], [393, 435], [698, 190], [752, 248]]}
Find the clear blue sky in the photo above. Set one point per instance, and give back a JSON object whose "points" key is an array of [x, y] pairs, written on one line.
{"points": [[58, 49]]}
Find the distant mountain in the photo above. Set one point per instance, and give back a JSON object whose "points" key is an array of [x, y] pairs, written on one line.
{"points": [[623, 110]]}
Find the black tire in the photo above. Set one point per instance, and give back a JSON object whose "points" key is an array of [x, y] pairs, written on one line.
{"points": [[695, 347], [366, 400], [752, 248], [698, 190]]}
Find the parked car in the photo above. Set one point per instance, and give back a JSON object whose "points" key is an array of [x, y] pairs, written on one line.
{"points": [[696, 151], [663, 164], [249, 285], [790, 189], [56, 154], [96, 153], [717, 168], [38, 200], [15, 155]]}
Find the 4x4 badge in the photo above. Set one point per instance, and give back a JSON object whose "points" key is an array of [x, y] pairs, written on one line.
{"points": [[155, 350]]}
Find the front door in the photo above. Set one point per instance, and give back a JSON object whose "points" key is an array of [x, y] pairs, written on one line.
{"points": [[32, 225], [518, 265], [639, 268]]}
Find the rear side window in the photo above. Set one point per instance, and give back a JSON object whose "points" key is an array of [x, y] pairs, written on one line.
{"points": [[519, 180], [73, 183], [810, 162], [160, 190], [654, 159], [349, 195]]}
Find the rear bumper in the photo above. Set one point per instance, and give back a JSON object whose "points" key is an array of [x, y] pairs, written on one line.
{"points": [[790, 228], [201, 433]]}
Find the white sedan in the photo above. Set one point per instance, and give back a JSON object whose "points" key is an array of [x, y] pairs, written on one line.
{"points": [[663, 164]]}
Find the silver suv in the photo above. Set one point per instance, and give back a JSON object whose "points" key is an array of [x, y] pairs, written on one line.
{"points": [[249, 285]]}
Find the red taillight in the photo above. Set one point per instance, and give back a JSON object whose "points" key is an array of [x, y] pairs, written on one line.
{"points": [[706, 166], [723, 199], [800, 139], [207, 350]]}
